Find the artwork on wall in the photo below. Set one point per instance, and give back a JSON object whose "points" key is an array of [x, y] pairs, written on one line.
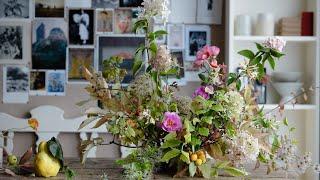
{"points": [[130, 3], [176, 36], [37, 83], [105, 3], [178, 55], [15, 8], [78, 3], [197, 36], [104, 18], [123, 21], [119, 46], [14, 42], [209, 11], [78, 59], [49, 8], [15, 84], [81, 26], [56, 83], [49, 43]]}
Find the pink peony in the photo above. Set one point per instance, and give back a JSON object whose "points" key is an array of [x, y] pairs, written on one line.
{"points": [[171, 122], [201, 91], [207, 52]]}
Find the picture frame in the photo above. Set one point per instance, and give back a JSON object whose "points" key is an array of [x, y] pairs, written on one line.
{"points": [[130, 3], [49, 8], [38, 83], [105, 3], [14, 41], [209, 11], [176, 36], [104, 21], [78, 58], [21, 9], [119, 45], [78, 4], [56, 83], [15, 84], [49, 55], [81, 23], [123, 21], [197, 36], [179, 56]]}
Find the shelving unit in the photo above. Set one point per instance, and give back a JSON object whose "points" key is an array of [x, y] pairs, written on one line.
{"points": [[302, 54]]}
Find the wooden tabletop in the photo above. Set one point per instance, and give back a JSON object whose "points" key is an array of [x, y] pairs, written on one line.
{"points": [[95, 168]]}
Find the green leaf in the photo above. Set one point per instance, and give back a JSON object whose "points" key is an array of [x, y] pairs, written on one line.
{"points": [[88, 121], [235, 172], [231, 78], [187, 137], [55, 149], [276, 54], [195, 141], [238, 84], [203, 131], [230, 130], [292, 129], [170, 154], [171, 143], [160, 33], [69, 173], [185, 157], [217, 107], [205, 170], [131, 132], [247, 53], [259, 46], [275, 144], [153, 48], [271, 62], [136, 66], [203, 78], [192, 169], [285, 122], [207, 119], [221, 164], [170, 136], [262, 158]]}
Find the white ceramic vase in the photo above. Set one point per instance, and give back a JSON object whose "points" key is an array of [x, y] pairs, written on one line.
{"points": [[265, 24], [243, 25]]}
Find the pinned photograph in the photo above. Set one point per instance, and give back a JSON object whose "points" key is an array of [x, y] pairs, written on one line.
{"points": [[56, 83], [105, 3], [15, 8], [79, 59], [49, 43], [180, 78], [130, 3], [14, 48], [209, 11], [81, 26], [104, 19], [15, 84], [37, 83], [49, 8], [123, 21], [176, 36], [197, 36]]}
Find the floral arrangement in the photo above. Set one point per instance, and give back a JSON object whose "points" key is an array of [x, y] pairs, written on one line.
{"points": [[217, 131]]}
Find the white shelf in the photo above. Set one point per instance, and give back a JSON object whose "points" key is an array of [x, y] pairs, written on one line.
{"points": [[286, 38], [289, 106]]}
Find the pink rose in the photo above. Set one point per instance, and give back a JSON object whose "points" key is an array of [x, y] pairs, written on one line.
{"points": [[171, 122]]}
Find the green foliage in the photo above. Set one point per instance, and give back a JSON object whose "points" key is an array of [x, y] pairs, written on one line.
{"points": [[112, 71], [170, 154]]}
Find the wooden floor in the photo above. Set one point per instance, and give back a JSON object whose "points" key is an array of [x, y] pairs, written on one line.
{"points": [[95, 168]]}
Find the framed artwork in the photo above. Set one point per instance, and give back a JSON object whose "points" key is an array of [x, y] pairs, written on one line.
{"points": [[119, 46], [105, 4], [130, 3], [162, 39], [123, 21], [176, 36], [104, 21], [78, 59], [56, 83], [197, 36], [37, 83], [15, 84], [78, 3], [49, 43], [209, 11], [14, 42], [15, 8], [81, 26], [49, 8]]}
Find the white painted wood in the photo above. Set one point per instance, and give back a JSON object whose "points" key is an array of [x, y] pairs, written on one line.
{"points": [[1, 150]]}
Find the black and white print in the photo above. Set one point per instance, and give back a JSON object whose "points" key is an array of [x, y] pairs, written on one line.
{"points": [[197, 36], [49, 8], [56, 83], [81, 27], [15, 8], [105, 3], [11, 38]]}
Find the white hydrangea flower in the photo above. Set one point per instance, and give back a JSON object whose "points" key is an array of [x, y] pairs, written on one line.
{"points": [[275, 43], [162, 61], [235, 103], [154, 8]]}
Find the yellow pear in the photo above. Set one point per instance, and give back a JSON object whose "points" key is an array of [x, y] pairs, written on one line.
{"points": [[44, 163]]}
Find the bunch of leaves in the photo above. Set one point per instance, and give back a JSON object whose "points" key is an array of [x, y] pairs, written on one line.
{"points": [[23, 167], [112, 71]]}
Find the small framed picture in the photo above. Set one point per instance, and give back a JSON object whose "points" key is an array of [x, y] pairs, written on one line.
{"points": [[49, 8], [176, 36], [49, 44], [209, 11], [123, 21], [197, 36], [158, 27], [77, 4], [37, 83], [78, 59], [15, 84], [14, 42], [105, 4], [15, 8], [178, 55], [56, 83], [104, 21], [81, 27], [130, 3]]}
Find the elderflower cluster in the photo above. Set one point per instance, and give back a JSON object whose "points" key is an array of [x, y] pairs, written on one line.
{"points": [[155, 8], [142, 86], [242, 148], [235, 103], [163, 61]]}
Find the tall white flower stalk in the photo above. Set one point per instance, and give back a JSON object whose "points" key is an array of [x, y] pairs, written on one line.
{"points": [[155, 9]]}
